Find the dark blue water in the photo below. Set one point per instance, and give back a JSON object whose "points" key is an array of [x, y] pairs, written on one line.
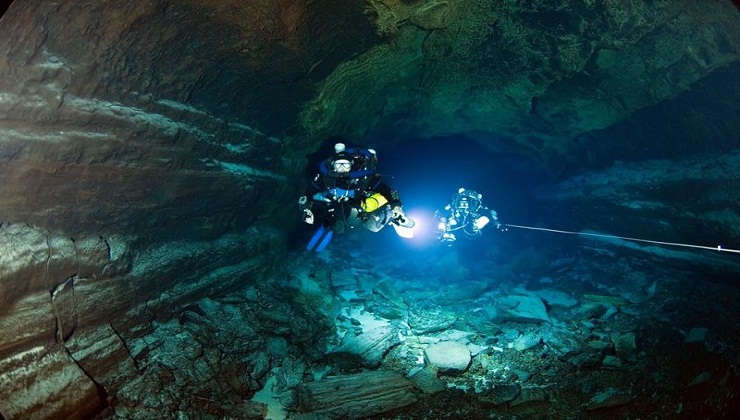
{"points": [[427, 173]]}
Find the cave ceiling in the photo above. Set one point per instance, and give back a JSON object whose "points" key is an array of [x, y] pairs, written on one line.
{"points": [[522, 76]]}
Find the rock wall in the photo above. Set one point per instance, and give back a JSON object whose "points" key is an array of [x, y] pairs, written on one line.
{"points": [[522, 76], [123, 196]]}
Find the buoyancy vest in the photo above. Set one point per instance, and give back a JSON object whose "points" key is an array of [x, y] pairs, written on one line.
{"points": [[471, 199]]}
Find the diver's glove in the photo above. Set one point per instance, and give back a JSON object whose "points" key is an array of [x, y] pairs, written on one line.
{"points": [[498, 225], [308, 216], [307, 213], [400, 218]]}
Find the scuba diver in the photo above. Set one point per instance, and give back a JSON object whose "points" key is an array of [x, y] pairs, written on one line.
{"points": [[348, 191], [465, 215]]}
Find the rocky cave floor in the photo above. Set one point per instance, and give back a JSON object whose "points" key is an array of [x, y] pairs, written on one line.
{"points": [[598, 332], [577, 332]]}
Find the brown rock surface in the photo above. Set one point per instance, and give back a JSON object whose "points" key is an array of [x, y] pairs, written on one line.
{"points": [[119, 204], [356, 395]]}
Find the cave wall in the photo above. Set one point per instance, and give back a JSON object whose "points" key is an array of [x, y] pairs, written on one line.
{"points": [[140, 170], [535, 73]]}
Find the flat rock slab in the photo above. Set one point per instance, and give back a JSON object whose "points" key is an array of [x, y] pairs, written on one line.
{"points": [[369, 344], [448, 356], [355, 396], [520, 308]]}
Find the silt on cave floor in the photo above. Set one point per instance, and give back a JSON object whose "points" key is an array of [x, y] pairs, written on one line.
{"points": [[552, 329]]}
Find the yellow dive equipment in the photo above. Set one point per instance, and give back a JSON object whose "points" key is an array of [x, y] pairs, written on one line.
{"points": [[373, 202]]}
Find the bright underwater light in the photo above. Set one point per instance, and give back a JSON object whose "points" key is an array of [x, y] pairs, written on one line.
{"points": [[425, 232]]}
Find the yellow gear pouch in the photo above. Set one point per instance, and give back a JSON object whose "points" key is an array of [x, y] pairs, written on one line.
{"points": [[373, 202]]}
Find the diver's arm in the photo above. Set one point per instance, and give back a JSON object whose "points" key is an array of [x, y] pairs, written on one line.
{"points": [[393, 197], [312, 193], [494, 218]]}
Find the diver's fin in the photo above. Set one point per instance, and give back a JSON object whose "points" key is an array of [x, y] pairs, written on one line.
{"points": [[322, 237], [325, 241], [402, 231], [315, 238]]}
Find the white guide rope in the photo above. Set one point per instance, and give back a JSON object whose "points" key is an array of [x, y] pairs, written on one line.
{"points": [[717, 248]]}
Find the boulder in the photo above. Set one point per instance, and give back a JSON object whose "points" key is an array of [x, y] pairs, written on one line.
{"points": [[448, 356], [527, 341], [522, 308]]}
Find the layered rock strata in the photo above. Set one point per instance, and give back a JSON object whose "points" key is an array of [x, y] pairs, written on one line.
{"points": [[121, 201]]}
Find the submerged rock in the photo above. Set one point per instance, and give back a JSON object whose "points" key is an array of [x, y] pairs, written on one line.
{"points": [[701, 378], [610, 397], [520, 308], [428, 322], [530, 394], [448, 356], [366, 345], [697, 335], [355, 396], [557, 298], [500, 394], [427, 381], [625, 346], [527, 341]]}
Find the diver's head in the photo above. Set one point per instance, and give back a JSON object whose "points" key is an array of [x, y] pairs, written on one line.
{"points": [[463, 203], [341, 164], [467, 200]]}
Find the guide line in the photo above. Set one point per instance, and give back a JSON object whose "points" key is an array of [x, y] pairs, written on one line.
{"points": [[719, 248]]}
